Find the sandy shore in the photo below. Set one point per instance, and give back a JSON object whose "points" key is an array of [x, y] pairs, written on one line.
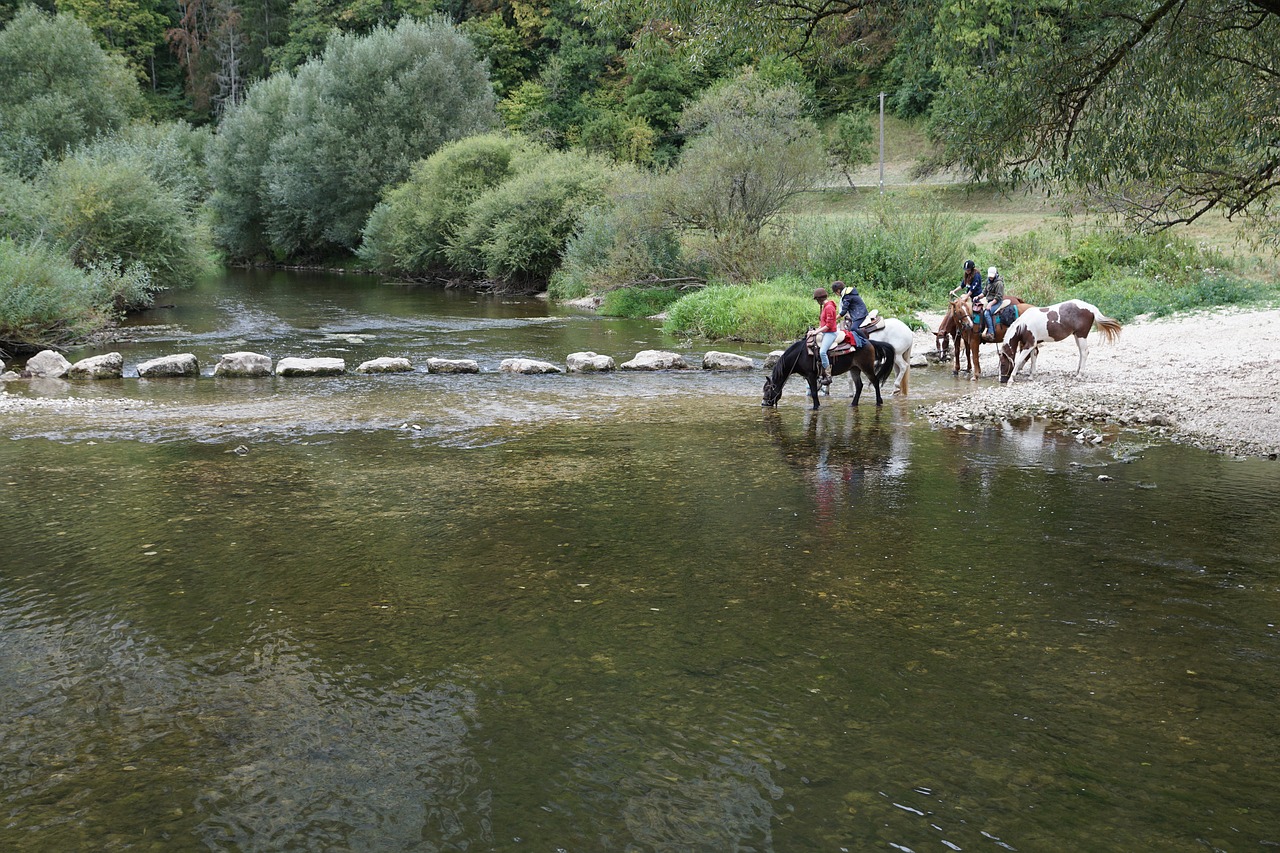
{"points": [[1211, 380]]}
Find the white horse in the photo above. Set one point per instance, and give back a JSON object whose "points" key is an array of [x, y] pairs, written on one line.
{"points": [[899, 336], [1074, 318]]}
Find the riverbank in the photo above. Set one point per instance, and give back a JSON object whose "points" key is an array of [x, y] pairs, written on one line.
{"points": [[1210, 380]]}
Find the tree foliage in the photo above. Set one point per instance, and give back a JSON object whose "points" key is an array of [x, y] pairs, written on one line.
{"points": [[306, 158], [1160, 110], [59, 89], [412, 227], [751, 149]]}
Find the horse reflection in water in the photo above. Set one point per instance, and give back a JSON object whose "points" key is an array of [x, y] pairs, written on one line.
{"points": [[846, 458]]}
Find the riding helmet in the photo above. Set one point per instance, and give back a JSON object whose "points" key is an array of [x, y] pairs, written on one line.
{"points": [[969, 265], [820, 294]]}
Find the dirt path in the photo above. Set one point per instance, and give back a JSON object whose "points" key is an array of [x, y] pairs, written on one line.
{"points": [[1211, 380]]}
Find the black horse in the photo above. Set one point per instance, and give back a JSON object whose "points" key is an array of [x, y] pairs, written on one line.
{"points": [[876, 361]]}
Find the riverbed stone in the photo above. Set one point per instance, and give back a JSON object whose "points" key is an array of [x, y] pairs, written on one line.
{"points": [[452, 365], [716, 360], [527, 366], [919, 359], [48, 363], [182, 364], [109, 366], [652, 359], [589, 362], [243, 364], [386, 364], [772, 358], [293, 366]]}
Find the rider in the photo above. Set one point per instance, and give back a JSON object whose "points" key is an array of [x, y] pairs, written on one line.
{"points": [[827, 331], [992, 295], [854, 310], [971, 283]]}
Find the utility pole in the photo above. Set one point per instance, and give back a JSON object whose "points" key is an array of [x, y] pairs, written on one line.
{"points": [[882, 143]]}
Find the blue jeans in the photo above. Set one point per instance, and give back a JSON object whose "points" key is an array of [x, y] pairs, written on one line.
{"points": [[828, 338]]}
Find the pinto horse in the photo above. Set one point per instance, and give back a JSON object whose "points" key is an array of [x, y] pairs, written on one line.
{"points": [[961, 313], [876, 361], [1073, 318]]}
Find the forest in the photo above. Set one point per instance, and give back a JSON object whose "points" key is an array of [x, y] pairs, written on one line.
{"points": [[660, 155]]}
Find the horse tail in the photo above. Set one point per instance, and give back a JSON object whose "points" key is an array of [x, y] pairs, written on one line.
{"points": [[1108, 328], [884, 357]]}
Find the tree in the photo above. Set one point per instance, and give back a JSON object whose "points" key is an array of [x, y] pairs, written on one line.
{"points": [[751, 149], [133, 28], [1163, 111], [850, 142], [60, 89], [307, 156]]}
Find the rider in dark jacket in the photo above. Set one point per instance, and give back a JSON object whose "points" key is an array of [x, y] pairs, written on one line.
{"points": [[971, 283], [854, 310]]}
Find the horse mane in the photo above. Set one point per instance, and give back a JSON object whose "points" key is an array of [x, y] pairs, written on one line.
{"points": [[786, 363]]}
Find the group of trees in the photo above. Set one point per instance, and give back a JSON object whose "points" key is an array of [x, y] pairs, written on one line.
{"points": [[642, 139]]}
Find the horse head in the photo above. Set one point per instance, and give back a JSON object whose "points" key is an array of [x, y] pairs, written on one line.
{"points": [[1009, 351], [772, 394], [962, 312]]}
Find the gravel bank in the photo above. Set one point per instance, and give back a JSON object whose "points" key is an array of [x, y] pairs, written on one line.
{"points": [[1211, 380]]}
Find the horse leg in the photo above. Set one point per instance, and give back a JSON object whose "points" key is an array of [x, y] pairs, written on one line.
{"points": [[875, 383], [1082, 344], [812, 379], [975, 355], [856, 375]]}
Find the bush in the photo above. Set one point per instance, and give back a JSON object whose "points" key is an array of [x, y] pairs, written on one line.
{"points": [[409, 230], [518, 229], [774, 311], [44, 299], [626, 240], [172, 154], [307, 157], [19, 202], [638, 301], [113, 210], [60, 89], [890, 247]]}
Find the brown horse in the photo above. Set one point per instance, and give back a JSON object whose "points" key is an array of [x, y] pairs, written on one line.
{"points": [[961, 313], [948, 334]]}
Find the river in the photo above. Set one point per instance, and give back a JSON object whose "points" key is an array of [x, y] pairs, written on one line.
{"points": [[610, 612]]}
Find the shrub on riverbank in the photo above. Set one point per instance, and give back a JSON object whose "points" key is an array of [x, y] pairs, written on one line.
{"points": [[46, 300], [773, 311]]}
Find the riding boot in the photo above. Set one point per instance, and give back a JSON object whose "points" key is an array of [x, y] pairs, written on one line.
{"points": [[826, 377]]}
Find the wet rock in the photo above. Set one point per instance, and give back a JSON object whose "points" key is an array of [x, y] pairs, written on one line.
{"points": [[243, 364], [527, 366], [48, 364], [385, 365], [919, 359], [652, 359], [182, 364], [715, 360], [310, 367], [589, 362], [772, 358], [452, 365], [109, 366]]}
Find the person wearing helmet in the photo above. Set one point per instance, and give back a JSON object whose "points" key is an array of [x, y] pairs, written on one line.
{"points": [[826, 331], [971, 283], [992, 295]]}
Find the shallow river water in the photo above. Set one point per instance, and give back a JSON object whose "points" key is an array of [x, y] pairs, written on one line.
{"points": [[619, 612]]}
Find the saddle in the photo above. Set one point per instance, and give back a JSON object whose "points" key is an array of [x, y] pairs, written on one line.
{"points": [[843, 344], [873, 322]]}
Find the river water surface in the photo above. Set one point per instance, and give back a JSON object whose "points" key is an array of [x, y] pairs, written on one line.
{"points": [[618, 612]]}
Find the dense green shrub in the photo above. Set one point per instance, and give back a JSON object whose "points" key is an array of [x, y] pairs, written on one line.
{"points": [[46, 300], [172, 153], [638, 301], [307, 157], [19, 201], [1102, 253], [409, 230], [627, 240], [109, 210], [518, 229], [59, 89], [890, 246], [775, 311]]}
